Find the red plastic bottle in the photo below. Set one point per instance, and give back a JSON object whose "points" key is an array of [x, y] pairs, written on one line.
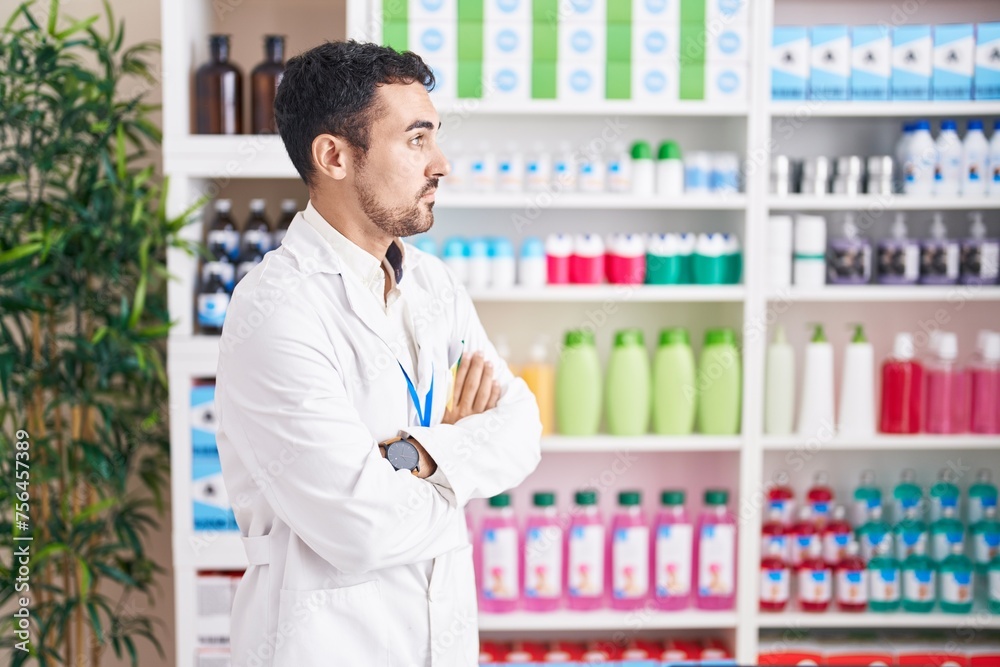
{"points": [[774, 532], [815, 581], [902, 389], [820, 498], [775, 580], [852, 581], [836, 536], [782, 497], [804, 535]]}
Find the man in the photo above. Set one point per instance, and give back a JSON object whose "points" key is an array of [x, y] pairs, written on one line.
{"points": [[348, 472]]}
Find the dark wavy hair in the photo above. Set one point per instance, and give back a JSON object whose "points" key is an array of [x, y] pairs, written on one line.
{"points": [[330, 89]]}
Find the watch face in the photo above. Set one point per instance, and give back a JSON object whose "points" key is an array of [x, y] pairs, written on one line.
{"points": [[402, 455]]}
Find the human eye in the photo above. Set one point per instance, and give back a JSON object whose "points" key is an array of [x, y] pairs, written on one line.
{"points": [[417, 140]]}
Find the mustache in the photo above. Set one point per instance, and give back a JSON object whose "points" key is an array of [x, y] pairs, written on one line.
{"points": [[430, 187]]}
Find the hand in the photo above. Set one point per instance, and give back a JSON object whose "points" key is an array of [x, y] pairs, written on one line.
{"points": [[475, 390]]}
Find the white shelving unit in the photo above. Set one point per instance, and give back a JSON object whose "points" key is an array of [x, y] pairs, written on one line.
{"points": [[206, 165]]}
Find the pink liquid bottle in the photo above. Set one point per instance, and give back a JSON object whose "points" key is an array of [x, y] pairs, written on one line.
{"points": [[673, 549], [774, 532], [837, 534], [946, 389], [558, 250], [804, 535], [852, 580], [628, 553], [820, 498], [715, 554], [815, 581], [782, 497], [775, 580], [902, 389], [585, 555], [500, 555], [984, 375], [543, 556]]}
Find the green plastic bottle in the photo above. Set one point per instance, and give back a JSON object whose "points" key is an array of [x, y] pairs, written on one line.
{"points": [[906, 494], [674, 395], [884, 579], [627, 385], [866, 497], [719, 385], [982, 494], [872, 533], [919, 582], [957, 581], [944, 531], [986, 539], [578, 385], [909, 533], [993, 585], [944, 493]]}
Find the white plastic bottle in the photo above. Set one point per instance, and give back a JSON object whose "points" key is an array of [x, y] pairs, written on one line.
{"points": [[479, 263], [593, 173], [484, 169], [503, 266], [918, 166], [460, 177], [643, 169], [779, 392], [816, 410], [456, 257], [857, 389], [669, 170], [993, 182], [697, 173], [510, 169], [619, 169], [948, 171], [532, 269], [538, 169], [975, 150], [564, 169]]}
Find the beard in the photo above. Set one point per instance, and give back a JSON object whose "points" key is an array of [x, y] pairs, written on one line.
{"points": [[400, 221]]}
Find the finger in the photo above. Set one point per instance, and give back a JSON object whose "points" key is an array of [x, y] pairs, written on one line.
{"points": [[471, 384], [485, 387], [463, 370], [494, 396]]}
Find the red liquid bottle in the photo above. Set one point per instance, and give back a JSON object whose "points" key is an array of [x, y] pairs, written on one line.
{"points": [[782, 497], [775, 580], [852, 581], [820, 498], [836, 536], [902, 389], [815, 581], [774, 532], [803, 536]]}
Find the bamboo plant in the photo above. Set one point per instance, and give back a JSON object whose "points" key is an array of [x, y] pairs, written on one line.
{"points": [[83, 322]]}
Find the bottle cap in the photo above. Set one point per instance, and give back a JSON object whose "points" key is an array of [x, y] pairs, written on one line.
{"points": [[479, 247], [839, 512], [257, 205], [289, 205], [859, 335], [215, 41], [716, 497], [949, 125], [975, 124], [903, 347], [926, 125], [720, 337], [586, 497], [456, 247], [677, 336], [630, 498], [588, 245], [500, 500], [672, 497], [426, 244], [629, 337], [532, 247], [819, 336], [669, 150], [559, 245], [948, 346], [641, 150], [223, 205], [500, 246], [544, 499], [780, 337], [579, 337], [991, 347]]}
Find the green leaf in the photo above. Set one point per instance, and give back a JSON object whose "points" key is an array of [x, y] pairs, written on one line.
{"points": [[82, 24], [86, 577], [19, 252], [95, 622], [53, 16]]}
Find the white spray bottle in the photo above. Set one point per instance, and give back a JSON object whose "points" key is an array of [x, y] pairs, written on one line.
{"points": [[857, 388], [816, 418]]}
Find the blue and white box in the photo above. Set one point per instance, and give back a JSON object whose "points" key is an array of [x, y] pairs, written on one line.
{"points": [[644, 11], [656, 40], [594, 11], [433, 40], [912, 52], [871, 62], [507, 79], [655, 80], [507, 40], [582, 41], [432, 10], [987, 83], [726, 82], [445, 79], [789, 63], [830, 62], [731, 43], [581, 81], [954, 61], [203, 421], [212, 510], [719, 13], [507, 10]]}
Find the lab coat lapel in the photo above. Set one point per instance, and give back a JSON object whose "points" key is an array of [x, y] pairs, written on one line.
{"points": [[368, 311], [417, 303]]}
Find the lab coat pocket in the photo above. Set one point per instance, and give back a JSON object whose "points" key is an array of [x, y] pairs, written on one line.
{"points": [[339, 626]]}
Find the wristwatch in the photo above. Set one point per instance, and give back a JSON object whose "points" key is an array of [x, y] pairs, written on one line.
{"points": [[402, 455]]}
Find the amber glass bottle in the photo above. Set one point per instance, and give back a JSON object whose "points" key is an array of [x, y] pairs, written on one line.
{"points": [[219, 92], [264, 84]]}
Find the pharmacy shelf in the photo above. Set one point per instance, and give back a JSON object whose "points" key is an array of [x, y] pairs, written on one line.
{"points": [[614, 293], [209, 550], [572, 200], [888, 293], [642, 443], [449, 109], [979, 619], [604, 620], [872, 204], [803, 109], [225, 157], [903, 443]]}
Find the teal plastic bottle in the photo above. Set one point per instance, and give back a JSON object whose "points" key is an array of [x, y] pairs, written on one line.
{"points": [[884, 579], [910, 533], [919, 582], [957, 581], [982, 494], [578, 385], [719, 384], [985, 539], [674, 393], [944, 531], [906, 494], [866, 496], [872, 533], [627, 385], [944, 493], [993, 585]]}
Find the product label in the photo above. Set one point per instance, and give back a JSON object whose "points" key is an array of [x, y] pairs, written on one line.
{"points": [[994, 585], [985, 546], [257, 239], [956, 587], [868, 543], [673, 559], [899, 261], [786, 507], [908, 542], [852, 586], [716, 558], [801, 546], [941, 546], [976, 505], [630, 562], [861, 510], [835, 546], [919, 585], [212, 310], [543, 562], [500, 564], [586, 561], [939, 260], [775, 585], [981, 259], [229, 239], [815, 586], [784, 546], [885, 585], [821, 510]]}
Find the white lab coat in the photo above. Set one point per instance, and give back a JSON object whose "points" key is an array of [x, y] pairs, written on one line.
{"points": [[352, 563]]}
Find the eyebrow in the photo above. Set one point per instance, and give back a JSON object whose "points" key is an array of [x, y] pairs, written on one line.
{"points": [[422, 124]]}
